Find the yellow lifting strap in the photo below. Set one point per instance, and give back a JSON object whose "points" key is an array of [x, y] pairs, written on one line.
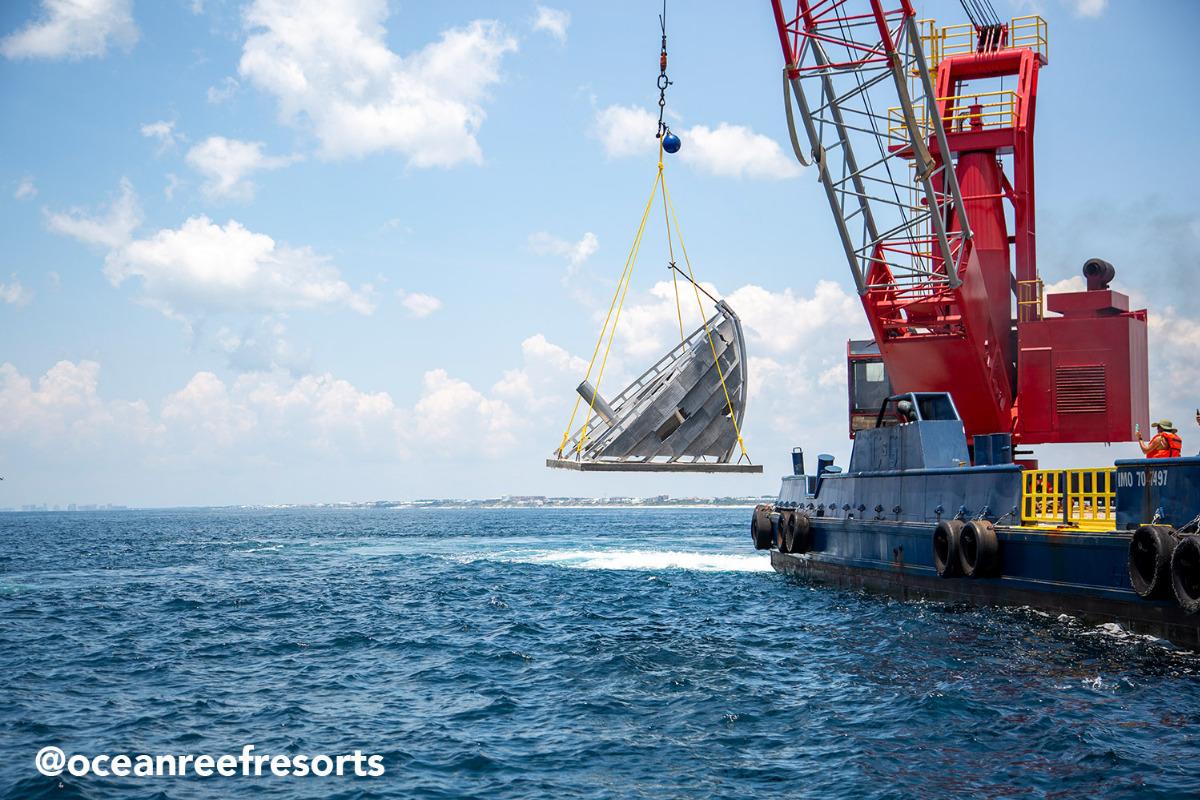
{"points": [[671, 249], [618, 302], [700, 307]]}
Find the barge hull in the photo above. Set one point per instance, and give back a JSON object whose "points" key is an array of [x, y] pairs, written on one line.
{"points": [[1164, 620]]}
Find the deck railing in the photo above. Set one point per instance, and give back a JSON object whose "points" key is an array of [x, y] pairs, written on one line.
{"points": [[975, 110], [1069, 498], [1028, 31]]}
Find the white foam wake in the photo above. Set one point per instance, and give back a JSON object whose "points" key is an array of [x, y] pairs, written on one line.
{"points": [[645, 560]]}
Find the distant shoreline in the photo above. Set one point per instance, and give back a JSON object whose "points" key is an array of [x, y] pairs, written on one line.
{"points": [[569, 504], [682, 506]]}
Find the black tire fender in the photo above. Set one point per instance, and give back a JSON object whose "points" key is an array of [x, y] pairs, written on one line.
{"points": [[1149, 563], [1185, 573], [784, 530], [978, 549], [799, 534], [760, 527], [945, 547]]}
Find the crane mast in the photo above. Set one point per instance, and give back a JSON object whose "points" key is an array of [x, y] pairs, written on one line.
{"points": [[910, 136]]}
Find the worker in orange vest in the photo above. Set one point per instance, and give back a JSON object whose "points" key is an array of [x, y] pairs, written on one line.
{"points": [[1166, 442]]}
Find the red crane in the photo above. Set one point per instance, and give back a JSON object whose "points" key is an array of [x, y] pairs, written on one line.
{"points": [[925, 156]]}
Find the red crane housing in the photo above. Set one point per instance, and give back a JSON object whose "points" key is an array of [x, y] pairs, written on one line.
{"points": [[927, 159]]}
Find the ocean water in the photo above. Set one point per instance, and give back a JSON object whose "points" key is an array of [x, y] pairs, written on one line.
{"points": [[558, 653]]}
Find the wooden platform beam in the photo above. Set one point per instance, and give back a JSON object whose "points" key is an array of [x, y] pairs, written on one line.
{"points": [[651, 466]]}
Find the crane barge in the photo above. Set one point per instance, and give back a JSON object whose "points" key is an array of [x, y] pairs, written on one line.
{"points": [[923, 141]]}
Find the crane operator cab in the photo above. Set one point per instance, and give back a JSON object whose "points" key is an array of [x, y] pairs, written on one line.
{"points": [[867, 379]]}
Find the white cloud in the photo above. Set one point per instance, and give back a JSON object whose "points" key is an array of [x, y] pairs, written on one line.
{"points": [[1089, 8], [202, 267], [64, 412], [784, 322], [205, 410], [544, 381], [452, 416], [552, 21], [14, 294], [260, 417], [25, 189], [329, 64], [267, 416], [1075, 283], [625, 131], [727, 150], [326, 414], [111, 231], [163, 131], [396, 224], [74, 29], [227, 89], [1174, 343], [269, 419], [576, 253], [775, 323], [226, 165], [735, 151], [262, 346], [419, 305], [649, 323], [173, 184]]}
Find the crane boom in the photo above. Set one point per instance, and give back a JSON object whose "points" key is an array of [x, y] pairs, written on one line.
{"points": [[856, 70], [911, 155]]}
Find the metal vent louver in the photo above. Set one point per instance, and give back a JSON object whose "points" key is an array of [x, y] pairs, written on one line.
{"points": [[1080, 389]]}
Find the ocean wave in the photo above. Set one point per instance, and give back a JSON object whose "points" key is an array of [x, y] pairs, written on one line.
{"points": [[646, 560]]}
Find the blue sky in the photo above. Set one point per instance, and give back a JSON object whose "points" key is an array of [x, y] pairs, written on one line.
{"points": [[273, 252]]}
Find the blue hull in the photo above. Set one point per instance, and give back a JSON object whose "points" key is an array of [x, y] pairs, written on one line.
{"points": [[873, 526], [1084, 575]]}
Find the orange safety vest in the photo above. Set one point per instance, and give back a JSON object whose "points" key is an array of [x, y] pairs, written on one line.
{"points": [[1172, 446]]}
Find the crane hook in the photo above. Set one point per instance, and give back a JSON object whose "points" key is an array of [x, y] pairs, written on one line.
{"points": [[670, 142]]}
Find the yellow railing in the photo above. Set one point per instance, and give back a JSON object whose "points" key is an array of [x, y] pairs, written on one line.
{"points": [[1030, 296], [931, 40], [1029, 31], [985, 109], [1069, 498], [956, 39], [1032, 32]]}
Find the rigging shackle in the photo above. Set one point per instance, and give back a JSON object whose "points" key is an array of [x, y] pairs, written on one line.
{"points": [[670, 142]]}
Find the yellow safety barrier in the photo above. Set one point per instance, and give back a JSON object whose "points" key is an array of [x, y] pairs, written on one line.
{"points": [[1032, 32], [1030, 297], [956, 39], [930, 40], [1069, 498], [987, 109], [1029, 31]]}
